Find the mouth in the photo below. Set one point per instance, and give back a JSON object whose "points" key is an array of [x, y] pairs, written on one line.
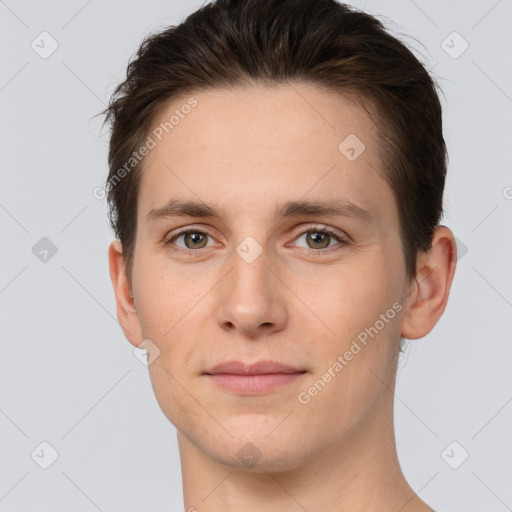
{"points": [[253, 379]]}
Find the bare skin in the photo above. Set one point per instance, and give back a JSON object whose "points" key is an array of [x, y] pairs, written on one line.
{"points": [[302, 301]]}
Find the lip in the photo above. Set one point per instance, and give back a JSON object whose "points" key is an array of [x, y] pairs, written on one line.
{"points": [[253, 379], [258, 368]]}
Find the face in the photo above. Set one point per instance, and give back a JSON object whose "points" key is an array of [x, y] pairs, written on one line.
{"points": [[273, 277]]}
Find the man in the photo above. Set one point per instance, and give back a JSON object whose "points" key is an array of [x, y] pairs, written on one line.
{"points": [[276, 180]]}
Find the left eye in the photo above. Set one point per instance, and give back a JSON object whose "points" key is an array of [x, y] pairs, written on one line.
{"points": [[319, 238], [195, 239]]}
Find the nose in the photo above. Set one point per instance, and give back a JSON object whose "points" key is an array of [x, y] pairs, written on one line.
{"points": [[252, 297]]}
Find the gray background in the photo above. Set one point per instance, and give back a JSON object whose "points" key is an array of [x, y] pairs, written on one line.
{"points": [[69, 377]]}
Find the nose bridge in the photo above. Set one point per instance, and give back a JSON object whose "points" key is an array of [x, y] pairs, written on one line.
{"points": [[249, 261], [250, 277], [249, 298]]}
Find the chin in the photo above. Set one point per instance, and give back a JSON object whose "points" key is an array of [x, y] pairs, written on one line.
{"points": [[259, 453]]}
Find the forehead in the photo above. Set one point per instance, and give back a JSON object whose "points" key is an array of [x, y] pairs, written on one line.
{"points": [[250, 147], [263, 122]]}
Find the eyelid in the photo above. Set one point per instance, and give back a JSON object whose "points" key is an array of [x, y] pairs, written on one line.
{"points": [[321, 228], [189, 229]]}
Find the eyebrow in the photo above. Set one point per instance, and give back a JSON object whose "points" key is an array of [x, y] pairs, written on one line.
{"points": [[192, 208]]}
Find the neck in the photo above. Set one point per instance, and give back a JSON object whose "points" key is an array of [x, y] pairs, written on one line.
{"points": [[359, 472]]}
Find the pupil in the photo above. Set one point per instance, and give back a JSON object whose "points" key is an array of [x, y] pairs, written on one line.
{"points": [[315, 237], [194, 237]]}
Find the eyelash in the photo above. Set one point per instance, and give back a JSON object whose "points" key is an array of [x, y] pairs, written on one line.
{"points": [[311, 229]]}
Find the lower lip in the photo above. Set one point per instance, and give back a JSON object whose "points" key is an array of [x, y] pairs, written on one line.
{"points": [[254, 384]]}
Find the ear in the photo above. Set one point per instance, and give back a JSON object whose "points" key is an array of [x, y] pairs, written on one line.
{"points": [[126, 310], [429, 290]]}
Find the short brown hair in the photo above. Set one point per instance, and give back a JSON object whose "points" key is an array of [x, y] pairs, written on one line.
{"points": [[232, 43]]}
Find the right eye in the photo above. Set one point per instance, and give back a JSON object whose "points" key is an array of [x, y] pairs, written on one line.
{"points": [[194, 237]]}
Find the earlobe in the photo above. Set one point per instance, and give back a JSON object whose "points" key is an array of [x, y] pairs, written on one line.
{"points": [[126, 310], [431, 287]]}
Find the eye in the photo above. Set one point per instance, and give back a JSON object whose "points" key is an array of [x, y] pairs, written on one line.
{"points": [[319, 238], [194, 239]]}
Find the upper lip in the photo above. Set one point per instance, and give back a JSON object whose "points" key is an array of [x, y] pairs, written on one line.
{"points": [[258, 368]]}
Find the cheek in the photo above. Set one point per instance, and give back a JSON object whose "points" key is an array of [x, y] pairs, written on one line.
{"points": [[173, 396], [354, 365], [346, 300], [167, 313], [163, 297], [171, 307], [358, 312]]}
